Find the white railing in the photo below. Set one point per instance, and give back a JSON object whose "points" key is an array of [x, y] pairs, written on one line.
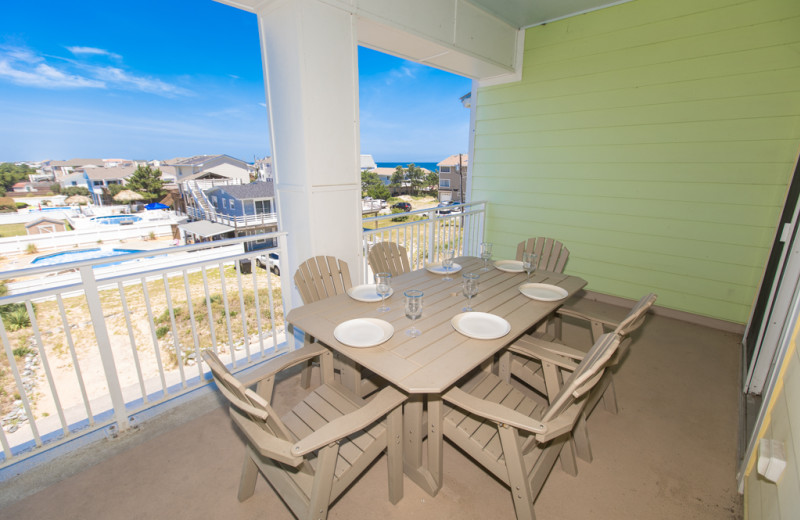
{"points": [[93, 352], [426, 234], [234, 220]]}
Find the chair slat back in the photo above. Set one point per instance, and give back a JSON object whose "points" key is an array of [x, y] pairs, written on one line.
{"points": [[636, 316], [388, 257], [585, 376], [321, 277], [245, 400], [551, 253]]}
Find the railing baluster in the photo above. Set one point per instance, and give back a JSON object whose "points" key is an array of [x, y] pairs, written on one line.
{"points": [[190, 309], [242, 310], [223, 284], [211, 327], [65, 323], [175, 340], [156, 348], [104, 346], [23, 396]]}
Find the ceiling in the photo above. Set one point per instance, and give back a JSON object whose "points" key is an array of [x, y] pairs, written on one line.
{"points": [[525, 13]]}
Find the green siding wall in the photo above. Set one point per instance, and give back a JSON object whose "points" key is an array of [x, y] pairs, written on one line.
{"points": [[656, 140]]}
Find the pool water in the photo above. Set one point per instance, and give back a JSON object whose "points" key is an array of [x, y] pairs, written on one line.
{"points": [[117, 219], [81, 254]]}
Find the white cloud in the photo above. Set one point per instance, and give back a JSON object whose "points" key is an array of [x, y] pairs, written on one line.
{"points": [[93, 51], [22, 66], [45, 76], [122, 79]]}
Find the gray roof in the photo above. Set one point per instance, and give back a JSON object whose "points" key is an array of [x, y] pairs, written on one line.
{"points": [[253, 190], [205, 228]]}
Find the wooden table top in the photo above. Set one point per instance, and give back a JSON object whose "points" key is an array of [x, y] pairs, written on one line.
{"points": [[433, 361]]}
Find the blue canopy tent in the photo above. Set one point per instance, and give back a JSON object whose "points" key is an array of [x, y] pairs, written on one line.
{"points": [[156, 205]]}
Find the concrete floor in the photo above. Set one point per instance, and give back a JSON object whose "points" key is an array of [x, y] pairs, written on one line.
{"points": [[670, 453]]}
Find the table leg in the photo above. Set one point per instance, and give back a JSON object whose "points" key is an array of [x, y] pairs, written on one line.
{"points": [[428, 478], [351, 375]]}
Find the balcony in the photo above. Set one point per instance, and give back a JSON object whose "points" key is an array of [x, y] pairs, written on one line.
{"points": [[669, 453]]}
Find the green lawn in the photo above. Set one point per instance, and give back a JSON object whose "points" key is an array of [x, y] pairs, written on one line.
{"points": [[12, 230]]}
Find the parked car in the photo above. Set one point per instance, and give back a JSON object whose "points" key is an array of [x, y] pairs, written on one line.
{"points": [[445, 208], [405, 206], [269, 261]]}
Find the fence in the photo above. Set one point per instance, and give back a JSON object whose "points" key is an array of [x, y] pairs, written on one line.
{"points": [[93, 352], [427, 233]]}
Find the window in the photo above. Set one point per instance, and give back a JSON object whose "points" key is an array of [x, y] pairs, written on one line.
{"points": [[233, 204], [444, 169], [263, 206], [444, 183]]}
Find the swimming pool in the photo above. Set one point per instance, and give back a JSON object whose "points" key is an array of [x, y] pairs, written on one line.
{"points": [[117, 219], [81, 254]]}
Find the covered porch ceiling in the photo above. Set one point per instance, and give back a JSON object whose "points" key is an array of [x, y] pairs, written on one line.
{"points": [[479, 39]]}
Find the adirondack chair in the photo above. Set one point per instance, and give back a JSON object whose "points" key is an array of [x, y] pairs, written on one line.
{"points": [[514, 438], [552, 254], [538, 362], [314, 452], [318, 278], [388, 257]]}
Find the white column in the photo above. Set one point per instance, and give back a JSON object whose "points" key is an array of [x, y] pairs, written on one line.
{"points": [[309, 49]]}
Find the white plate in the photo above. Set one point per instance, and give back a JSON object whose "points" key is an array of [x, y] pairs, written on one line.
{"points": [[543, 292], [366, 293], [439, 269], [480, 325], [363, 332], [509, 266]]}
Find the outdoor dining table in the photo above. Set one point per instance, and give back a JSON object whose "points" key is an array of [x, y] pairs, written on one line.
{"points": [[427, 365]]}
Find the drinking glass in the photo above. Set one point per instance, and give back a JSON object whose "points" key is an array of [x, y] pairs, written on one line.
{"points": [[529, 261], [470, 288], [413, 309], [383, 285], [486, 254], [447, 263]]}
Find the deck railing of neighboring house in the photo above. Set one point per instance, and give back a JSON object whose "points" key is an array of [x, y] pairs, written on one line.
{"points": [[91, 352], [235, 221], [427, 233]]}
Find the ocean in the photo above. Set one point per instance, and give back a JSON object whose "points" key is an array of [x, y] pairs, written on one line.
{"points": [[431, 166]]}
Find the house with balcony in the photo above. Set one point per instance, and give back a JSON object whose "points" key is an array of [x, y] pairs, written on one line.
{"points": [[452, 172], [658, 141], [202, 166]]}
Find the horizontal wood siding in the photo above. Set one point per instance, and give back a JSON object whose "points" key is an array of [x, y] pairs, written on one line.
{"points": [[780, 500], [656, 140]]}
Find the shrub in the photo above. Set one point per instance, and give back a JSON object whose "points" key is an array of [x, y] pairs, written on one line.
{"points": [[31, 249], [18, 319], [20, 205], [22, 351], [398, 219], [7, 204], [162, 331]]}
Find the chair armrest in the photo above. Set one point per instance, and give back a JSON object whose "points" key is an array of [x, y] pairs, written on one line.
{"points": [[556, 348], [387, 400], [561, 424], [532, 350], [493, 411], [282, 363], [598, 324], [264, 443]]}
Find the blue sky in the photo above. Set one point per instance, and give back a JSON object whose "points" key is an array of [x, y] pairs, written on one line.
{"points": [[156, 79]]}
